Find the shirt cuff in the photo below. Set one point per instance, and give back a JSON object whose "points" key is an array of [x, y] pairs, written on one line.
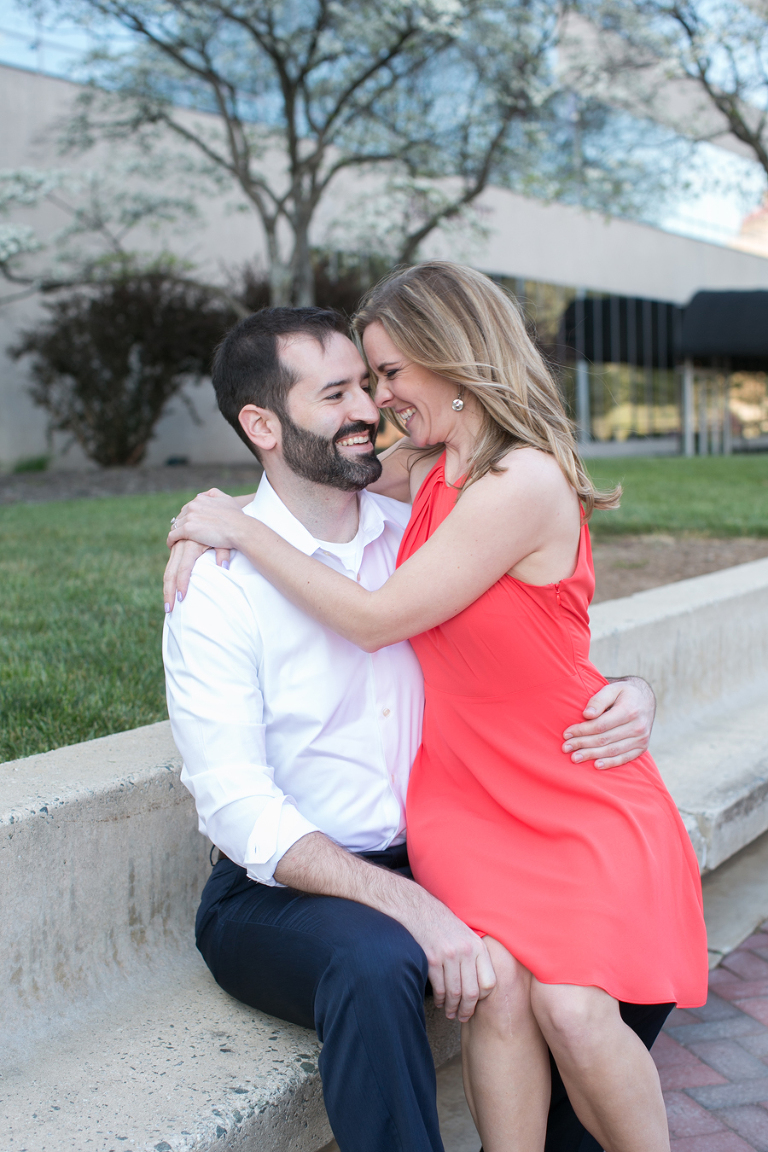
{"points": [[291, 826]]}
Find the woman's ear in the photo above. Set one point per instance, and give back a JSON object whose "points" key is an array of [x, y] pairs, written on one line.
{"points": [[261, 426]]}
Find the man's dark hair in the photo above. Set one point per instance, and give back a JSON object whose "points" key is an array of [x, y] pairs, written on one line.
{"points": [[246, 365]]}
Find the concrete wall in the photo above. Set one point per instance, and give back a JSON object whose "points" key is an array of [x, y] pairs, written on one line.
{"points": [[561, 245], [102, 869], [702, 643]]}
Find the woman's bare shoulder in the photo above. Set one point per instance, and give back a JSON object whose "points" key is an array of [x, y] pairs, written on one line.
{"points": [[526, 470]]}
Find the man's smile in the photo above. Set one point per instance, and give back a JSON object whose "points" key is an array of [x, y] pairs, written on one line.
{"points": [[359, 439]]}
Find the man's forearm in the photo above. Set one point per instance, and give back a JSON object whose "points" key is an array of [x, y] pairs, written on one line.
{"points": [[316, 865], [460, 968]]}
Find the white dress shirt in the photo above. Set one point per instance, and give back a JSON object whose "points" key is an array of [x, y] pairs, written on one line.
{"points": [[284, 727]]}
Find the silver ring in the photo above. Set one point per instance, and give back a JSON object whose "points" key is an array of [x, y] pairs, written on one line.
{"points": [[173, 521]]}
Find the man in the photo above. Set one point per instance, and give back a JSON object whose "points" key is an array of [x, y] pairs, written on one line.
{"points": [[297, 747]]}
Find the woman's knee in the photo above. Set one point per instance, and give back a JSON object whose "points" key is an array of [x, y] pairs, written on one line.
{"points": [[509, 1002], [572, 1017]]}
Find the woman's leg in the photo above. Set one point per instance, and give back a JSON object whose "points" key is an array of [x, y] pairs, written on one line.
{"points": [[609, 1074], [506, 1063]]}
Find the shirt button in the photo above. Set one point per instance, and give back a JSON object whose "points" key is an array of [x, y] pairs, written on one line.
{"points": [[385, 712]]}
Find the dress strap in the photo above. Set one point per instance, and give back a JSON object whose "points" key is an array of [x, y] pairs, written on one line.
{"points": [[436, 471]]}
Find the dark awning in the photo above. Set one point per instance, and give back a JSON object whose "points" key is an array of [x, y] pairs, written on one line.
{"points": [[622, 330], [726, 324]]}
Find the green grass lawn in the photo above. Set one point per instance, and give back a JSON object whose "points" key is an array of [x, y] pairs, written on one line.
{"points": [[703, 496], [81, 612], [81, 619]]}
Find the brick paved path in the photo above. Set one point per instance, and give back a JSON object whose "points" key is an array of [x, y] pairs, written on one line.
{"points": [[713, 1061]]}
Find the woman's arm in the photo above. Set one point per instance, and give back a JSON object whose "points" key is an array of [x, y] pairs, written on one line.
{"points": [[244, 501], [395, 479], [498, 522]]}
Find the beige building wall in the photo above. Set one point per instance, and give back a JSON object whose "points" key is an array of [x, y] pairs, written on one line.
{"points": [[525, 238]]}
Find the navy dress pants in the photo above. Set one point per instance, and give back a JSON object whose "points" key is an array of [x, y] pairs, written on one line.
{"points": [[359, 979]]}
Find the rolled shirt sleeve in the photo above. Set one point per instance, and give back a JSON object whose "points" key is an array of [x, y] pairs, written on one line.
{"points": [[211, 653]]}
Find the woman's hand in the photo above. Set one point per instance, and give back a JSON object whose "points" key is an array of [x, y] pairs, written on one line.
{"points": [[184, 555], [212, 518], [186, 546]]}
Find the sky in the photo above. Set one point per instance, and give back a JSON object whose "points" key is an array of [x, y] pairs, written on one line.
{"points": [[26, 44], [714, 215]]}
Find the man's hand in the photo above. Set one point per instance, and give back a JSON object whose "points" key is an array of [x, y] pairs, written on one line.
{"points": [[619, 719], [460, 969]]}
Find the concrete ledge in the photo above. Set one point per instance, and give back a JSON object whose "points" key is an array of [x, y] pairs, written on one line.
{"points": [[717, 773], [114, 1035], [173, 1064], [703, 645], [699, 642], [101, 866]]}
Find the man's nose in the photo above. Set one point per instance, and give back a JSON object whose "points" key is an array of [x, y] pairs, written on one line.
{"points": [[364, 409]]}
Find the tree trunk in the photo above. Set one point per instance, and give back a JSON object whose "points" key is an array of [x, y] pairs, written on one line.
{"points": [[303, 272], [280, 273], [280, 279]]}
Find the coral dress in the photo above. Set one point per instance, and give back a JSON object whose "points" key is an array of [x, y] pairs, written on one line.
{"points": [[587, 877]]}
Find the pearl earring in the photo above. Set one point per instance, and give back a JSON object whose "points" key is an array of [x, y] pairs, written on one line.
{"points": [[458, 403]]}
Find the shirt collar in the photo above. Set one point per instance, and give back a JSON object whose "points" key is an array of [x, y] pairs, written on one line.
{"points": [[269, 508]]}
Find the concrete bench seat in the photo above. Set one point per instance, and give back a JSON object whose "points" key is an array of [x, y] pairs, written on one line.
{"points": [[171, 1063], [114, 1036], [717, 773], [703, 645]]}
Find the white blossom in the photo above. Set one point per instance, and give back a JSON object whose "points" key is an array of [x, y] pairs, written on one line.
{"points": [[17, 240]]}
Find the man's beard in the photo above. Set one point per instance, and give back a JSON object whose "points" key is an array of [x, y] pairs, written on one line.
{"points": [[317, 459]]}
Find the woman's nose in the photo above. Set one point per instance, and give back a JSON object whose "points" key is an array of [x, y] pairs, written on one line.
{"points": [[383, 396]]}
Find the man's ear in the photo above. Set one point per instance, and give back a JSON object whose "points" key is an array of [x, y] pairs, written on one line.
{"points": [[261, 426]]}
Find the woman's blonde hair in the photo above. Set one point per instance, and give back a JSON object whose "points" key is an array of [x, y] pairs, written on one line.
{"points": [[459, 324]]}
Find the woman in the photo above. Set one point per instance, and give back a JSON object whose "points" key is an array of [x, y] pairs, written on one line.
{"points": [[584, 884]]}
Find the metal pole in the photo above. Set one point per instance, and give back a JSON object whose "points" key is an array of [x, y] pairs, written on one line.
{"points": [[703, 423], [716, 427], [727, 430], [598, 360], [616, 360], [582, 402], [689, 444], [632, 357], [583, 421], [647, 321]]}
